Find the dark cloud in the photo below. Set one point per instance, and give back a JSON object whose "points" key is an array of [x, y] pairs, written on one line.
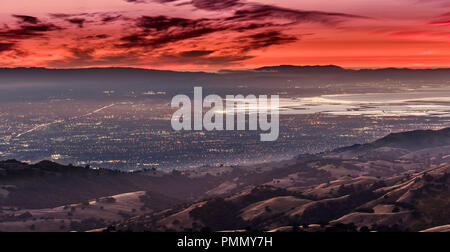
{"points": [[81, 19], [6, 47], [159, 31], [99, 36], [246, 16], [216, 5], [160, 23], [196, 53], [66, 16], [263, 12], [228, 38], [253, 26], [141, 40], [27, 19], [77, 21], [28, 31], [211, 5], [111, 18], [29, 27], [255, 11], [265, 39]]}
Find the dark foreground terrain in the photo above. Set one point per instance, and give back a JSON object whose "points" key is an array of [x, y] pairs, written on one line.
{"points": [[398, 183]]}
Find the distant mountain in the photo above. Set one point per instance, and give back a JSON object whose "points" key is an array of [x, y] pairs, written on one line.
{"points": [[405, 141], [9, 75], [118, 77], [37, 84], [302, 69], [334, 68], [415, 140]]}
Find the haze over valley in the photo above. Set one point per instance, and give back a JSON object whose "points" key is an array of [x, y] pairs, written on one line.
{"points": [[124, 123]]}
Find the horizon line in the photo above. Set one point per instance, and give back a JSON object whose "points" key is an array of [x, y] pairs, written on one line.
{"points": [[227, 69]]}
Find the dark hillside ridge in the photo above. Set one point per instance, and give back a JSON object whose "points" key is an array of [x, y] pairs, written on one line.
{"points": [[47, 184], [412, 140]]}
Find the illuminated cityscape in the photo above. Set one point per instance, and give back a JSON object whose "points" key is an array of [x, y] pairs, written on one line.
{"points": [[134, 133]]}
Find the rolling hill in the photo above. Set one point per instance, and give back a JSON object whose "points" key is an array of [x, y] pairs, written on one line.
{"points": [[398, 183], [403, 203]]}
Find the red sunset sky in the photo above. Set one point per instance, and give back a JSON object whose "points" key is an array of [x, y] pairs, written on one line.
{"points": [[211, 34]]}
